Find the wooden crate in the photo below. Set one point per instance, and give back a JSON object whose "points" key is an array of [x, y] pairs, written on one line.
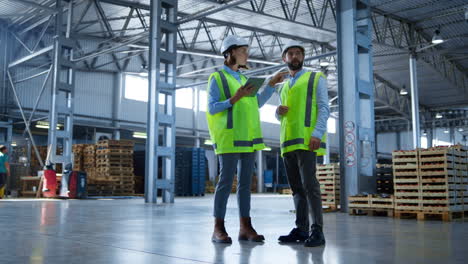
{"points": [[359, 201], [285, 191], [406, 180], [27, 184], [441, 184], [378, 202], [328, 176], [110, 144]]}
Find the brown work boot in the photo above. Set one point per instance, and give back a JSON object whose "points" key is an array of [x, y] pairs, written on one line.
{"points": [[219, 234], [247, 232]]}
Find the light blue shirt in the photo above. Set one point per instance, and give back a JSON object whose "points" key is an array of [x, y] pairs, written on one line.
{"points": [[215, 105], [322, 103]]}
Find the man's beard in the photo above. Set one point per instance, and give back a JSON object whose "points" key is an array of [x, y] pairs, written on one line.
{"points": [[295, 65]]}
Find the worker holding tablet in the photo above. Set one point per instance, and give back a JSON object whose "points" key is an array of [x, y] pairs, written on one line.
{"points": [[234, 124]]}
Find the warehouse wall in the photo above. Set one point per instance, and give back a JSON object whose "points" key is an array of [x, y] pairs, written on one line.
{"points": [[387, 142]]}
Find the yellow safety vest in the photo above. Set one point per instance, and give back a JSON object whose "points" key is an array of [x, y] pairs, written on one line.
{"points": [[299, 123], [236, 129]]}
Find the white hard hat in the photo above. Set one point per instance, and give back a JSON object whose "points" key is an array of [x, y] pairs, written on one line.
{"points": [[293, 44], [233, 41]]}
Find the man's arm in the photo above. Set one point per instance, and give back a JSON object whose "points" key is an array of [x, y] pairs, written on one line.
{"points": [[323, 109], [323, 114]]}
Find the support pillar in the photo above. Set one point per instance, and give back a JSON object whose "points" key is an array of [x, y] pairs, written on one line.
{"points": [[415, 101], [162, 56], [63, 90], [356, 98]]}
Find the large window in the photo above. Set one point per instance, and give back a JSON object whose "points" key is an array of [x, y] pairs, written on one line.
{"points": [[203, 100], [331, 125], [267, 114], [184, 98], [136, 87]]}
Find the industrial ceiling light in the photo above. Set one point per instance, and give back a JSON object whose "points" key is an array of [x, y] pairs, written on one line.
{"points": [[424, 132], [45, 125], [144, 71], [208, 142], [403, 91], [446, 131], [438, 116], [139, 135], [460, 129], [437, 39], [324, 63]]}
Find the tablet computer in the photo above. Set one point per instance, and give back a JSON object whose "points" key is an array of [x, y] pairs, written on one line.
{"points": [[256, 83]]}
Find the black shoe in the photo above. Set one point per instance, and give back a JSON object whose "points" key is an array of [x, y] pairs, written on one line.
{"points": [[316, 237], [296, 235]]}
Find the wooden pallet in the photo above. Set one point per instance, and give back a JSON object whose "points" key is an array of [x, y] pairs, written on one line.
{"points": [[330, 207], [114, 168], [431, 215], [114, 151], [111, 142], [285, 191], [359, 201], [371, 211], [377, 202]]}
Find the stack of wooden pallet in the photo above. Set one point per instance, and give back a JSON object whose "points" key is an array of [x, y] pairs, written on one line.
{"points": [[371, 204], [78, 157], [406, 182], [443, 181], [431, 182], [384, 179], [35, 165], [329, 177], [114, 163], [89, 161]]}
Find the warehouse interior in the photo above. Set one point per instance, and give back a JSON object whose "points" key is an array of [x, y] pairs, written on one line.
{"points": [[117, 89]]}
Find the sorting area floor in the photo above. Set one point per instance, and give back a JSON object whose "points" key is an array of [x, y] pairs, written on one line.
{"points": [[130, 231]]}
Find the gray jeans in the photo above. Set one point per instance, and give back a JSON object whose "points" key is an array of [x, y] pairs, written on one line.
{"points": [[300, 169], [244, 163]]}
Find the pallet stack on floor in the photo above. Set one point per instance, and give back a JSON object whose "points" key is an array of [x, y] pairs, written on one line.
{"points": [[89, 161], [431, 182], [78, 151], [329, 177], [443, 182], [384, 178], [190, 172], [371, 204], [406, 182], [114, 164]]}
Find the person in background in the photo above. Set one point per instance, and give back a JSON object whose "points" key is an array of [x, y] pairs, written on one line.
{"points": [[234, 124], [4, 169], [303, 114]]}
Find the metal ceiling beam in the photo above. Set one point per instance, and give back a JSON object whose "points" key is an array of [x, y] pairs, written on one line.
{"points": [[210, 12], [36, 5]]}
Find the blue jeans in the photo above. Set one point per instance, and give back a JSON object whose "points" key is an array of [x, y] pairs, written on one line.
{"points": [[244, 163]]}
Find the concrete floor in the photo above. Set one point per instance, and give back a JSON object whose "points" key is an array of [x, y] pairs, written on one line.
{"points": [[130, 231]]}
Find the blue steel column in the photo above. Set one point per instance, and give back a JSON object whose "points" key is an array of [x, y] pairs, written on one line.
{"points": [[62, 92], [162, 56], [356, 98]]}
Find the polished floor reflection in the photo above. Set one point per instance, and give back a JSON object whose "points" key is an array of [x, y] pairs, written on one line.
{"points": [[130, 231]]}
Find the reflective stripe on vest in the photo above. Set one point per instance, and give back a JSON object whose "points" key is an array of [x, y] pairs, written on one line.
{"points": [[227, 92]]}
